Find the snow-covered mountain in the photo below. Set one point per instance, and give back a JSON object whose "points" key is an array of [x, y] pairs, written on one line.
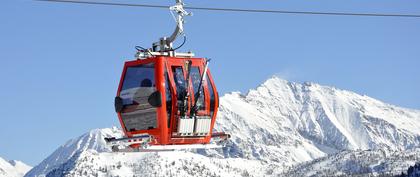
{"points": [[93, 140], [357, 163], [13, 168], [275, 128], [413, 171], [290, 122]]}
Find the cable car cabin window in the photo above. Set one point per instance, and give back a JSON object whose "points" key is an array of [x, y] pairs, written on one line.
{"points": [[195, 79], [180, 86], [212, 96], [179, 82], [138, 85], [168, 98]]}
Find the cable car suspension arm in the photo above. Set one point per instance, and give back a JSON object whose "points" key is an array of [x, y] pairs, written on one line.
{"points": [[165, 43]]}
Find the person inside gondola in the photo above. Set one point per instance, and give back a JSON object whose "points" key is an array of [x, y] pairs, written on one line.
{"points": [[137, 113], [142, 94], [146, 83]]}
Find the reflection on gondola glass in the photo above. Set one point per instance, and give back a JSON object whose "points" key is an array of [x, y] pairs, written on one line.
{"points": [[138, 85]]}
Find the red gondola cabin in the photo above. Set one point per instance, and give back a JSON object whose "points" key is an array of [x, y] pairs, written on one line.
{"points": [[157, 98]]}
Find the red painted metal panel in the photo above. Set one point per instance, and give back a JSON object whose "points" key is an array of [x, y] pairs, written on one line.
{"points": [[162, 134]]}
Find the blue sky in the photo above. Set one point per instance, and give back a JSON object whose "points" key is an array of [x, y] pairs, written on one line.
{"points": [[60, 63]]}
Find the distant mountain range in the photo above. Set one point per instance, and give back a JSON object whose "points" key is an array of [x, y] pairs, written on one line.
{"points": [[279, 128], [13, 168]]}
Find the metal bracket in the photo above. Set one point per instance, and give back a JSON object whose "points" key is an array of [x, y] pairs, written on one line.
{"points": [[147, 54], [165, 43]]}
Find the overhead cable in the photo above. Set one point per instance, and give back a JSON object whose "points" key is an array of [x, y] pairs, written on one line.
{"points": [[239, 10]]}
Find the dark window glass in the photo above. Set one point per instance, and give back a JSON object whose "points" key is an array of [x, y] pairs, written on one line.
{"points": [[212, 96], [135, 78], [179, 80], [138, 85], [195, 79], [168, 98]]}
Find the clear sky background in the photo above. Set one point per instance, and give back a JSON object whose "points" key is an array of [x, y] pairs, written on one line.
{"points": [[60, 63]]}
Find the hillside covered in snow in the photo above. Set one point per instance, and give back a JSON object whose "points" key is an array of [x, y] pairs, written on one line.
{"points": [[278, 128], [357, 163], [413, 171], [13, 168]]}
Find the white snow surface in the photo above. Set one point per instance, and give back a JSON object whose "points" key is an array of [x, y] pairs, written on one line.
{"points": [[13, 168], [93, 140], [357, 163], [300, 122], [274, 127]]}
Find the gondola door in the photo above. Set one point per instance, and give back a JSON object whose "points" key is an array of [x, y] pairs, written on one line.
{"points": [[181, 103], [138, 83], [189, 118]]}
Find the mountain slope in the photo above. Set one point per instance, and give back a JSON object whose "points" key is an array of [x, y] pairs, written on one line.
{"points": [[178, 164], [413, 171], [13, 168], [276, 126], [291, 123], [93, 140], [358, 163]]}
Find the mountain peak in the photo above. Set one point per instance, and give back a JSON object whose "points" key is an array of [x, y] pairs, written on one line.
{"points": [[13, 168], [275, 80], [13, 162], [16, 162], [277, 86], [92, 140], [326, 114]]}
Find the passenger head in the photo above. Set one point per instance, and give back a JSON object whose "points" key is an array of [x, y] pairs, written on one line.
{"points": [[146, 83]]}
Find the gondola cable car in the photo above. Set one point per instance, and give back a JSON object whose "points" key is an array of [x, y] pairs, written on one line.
{"points": [[167, 100]]}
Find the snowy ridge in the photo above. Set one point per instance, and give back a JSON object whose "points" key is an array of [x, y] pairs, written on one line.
{"points": [[93, 140], [291, 123], [274, 128], [357, 163], [13, 168], [178, 164]]}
